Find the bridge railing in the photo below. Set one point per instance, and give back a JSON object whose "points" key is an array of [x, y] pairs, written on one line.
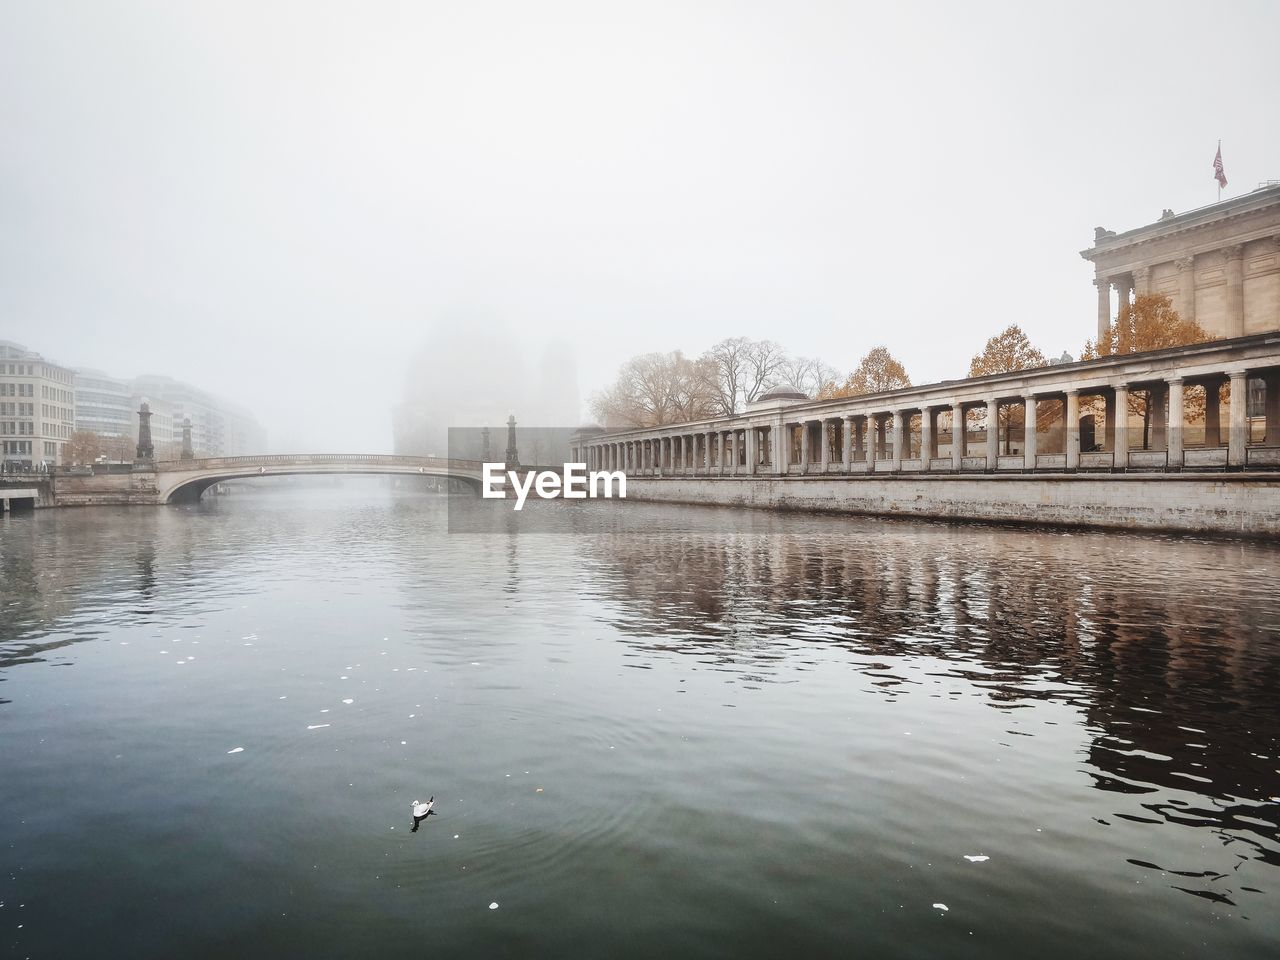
{"points": [[320, 459]]}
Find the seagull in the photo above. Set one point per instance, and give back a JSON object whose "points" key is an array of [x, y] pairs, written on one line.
{"points": [[421, 811]]}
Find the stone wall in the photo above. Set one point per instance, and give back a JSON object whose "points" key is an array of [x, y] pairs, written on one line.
{"points": [[1230, 504], [105, 490]]}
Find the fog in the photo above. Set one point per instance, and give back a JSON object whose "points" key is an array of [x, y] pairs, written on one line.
{"points": [[286, 203]]}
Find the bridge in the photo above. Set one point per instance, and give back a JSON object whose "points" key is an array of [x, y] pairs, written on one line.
{"points": [[183, 481]]}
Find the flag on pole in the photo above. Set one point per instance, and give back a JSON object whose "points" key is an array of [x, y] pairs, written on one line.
{"points": [[1217, 168]]}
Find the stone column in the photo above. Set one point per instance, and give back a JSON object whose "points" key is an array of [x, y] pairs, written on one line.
{"points": [[1121, 459], [1072, 429], [1187, 288], [733, 452], [1104, 310], [680, 458], [927, 450], [1124, 287], [1235, 291], [1237, 424], [1108, 423], [863, 438], [1155, 415], [1271, 408], [782, 447], [706, 451], [825, 459], [1174, 443], [895, 459], [749, 437], [878, 442], [993, 434], [1029, 433], [1212, 413], [804, 446], [846, 440], [1142, 280], [957, 436]]}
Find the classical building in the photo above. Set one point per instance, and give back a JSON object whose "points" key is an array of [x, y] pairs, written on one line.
{"points": [[37, 408], [1219, 264]]}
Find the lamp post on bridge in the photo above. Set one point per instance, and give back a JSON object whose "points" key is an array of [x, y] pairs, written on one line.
{"points": [[513, 456], [146, 451]]}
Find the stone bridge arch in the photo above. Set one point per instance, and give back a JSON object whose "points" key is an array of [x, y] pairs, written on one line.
{"points": [[184, 481]]}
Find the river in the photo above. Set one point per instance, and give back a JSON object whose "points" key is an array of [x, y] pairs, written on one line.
{"points": [[651, 731]]}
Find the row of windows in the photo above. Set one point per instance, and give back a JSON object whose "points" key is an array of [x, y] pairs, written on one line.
{"points": [[53, 393], [17, 390], [25, 428], [18, 410], [17, 447], [50, 413], [45, 370]]}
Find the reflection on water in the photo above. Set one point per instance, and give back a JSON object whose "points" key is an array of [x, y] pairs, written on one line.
{"points": [[660, 732]]}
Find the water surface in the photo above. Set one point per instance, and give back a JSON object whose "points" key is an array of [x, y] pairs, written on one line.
{"points": [[665, 731]]}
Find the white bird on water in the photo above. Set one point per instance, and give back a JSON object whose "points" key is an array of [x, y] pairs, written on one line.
{"points": [[421, 811]]}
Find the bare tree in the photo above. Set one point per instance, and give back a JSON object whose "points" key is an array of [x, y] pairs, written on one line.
{"points": [[763, 360], [654, 389], [737, 370], [807, 374]]}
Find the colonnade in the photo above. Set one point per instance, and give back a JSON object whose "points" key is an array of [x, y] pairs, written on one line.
{"points": [[1111, 414]]}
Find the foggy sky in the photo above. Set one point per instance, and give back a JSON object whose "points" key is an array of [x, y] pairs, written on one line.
{"points": [[281, 201]]}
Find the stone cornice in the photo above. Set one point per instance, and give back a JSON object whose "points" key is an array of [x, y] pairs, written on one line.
{"points": [[1262, 199]]}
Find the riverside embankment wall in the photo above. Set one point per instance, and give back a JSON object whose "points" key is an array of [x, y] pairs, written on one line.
{"points": [[1224, 504]]}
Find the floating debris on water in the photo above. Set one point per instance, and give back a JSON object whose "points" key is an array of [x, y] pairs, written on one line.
{"points": [[348, 700], [317, 726], [976, 858], [494, 905], [941, 906], [235, 750]]}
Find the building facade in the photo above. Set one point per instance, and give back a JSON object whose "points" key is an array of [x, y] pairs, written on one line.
{"points": [[1220, 264], [218, 428], [37, 408]]}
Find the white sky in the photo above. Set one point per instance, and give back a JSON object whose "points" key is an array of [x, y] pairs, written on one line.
{"points": [[279, 201]]}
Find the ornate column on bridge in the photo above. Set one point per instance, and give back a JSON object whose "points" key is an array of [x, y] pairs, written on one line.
{"points": [[146, 450], [1029, 433], [513, 456], [187, 452], [1174, 445], [1072, 428], [957, 436], [1237, 424]]}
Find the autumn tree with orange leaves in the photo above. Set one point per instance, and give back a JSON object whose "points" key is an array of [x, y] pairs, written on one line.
{"points": [[1007, 352], [877, 372], [1150, 323]]}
